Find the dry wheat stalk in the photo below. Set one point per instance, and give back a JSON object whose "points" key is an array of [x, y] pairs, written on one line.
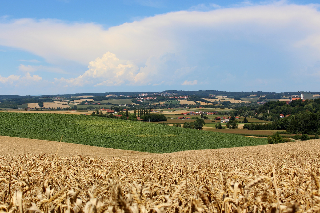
{"points": [[254, 180]]}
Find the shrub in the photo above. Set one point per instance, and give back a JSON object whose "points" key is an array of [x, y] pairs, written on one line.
{"points": [[177, 125], [297, 137], [154, 117], [218, 126], [275, 138], [232, 124], [305, 137], [198, 124]]}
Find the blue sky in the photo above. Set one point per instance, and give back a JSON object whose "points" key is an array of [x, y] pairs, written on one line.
{"points": [[73, 46]]}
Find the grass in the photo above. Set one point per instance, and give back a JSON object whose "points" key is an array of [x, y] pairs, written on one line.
{"points": [[210, 109], [255, 120], [118, 134], [116, 101], [261, 133], [181, 121], [81, 107]]}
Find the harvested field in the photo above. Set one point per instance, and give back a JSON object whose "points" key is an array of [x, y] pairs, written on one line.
{"points": [[14, 146], [56, 104], [181, 121], [174, 112], [187, 102], [204, 103], [33, 105], [268, 178], [73, 112]]}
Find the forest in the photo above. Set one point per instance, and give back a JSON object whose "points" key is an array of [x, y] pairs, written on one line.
{"points": [[297, 117]]}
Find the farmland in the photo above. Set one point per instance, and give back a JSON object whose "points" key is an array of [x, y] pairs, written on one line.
{"points": [[116, 101], [61, 177], [246, 132], [113, 133]]}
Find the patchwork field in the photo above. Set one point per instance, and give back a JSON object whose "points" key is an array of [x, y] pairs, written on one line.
{"points": [[56, 104], [245, 131], [187, 102], [116, 101], [61, 177]]}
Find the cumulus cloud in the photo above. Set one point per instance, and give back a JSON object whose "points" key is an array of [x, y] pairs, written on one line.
{"points": [[195, 82], [10, 79], [107, 70], [17, 79], [30, 78]]}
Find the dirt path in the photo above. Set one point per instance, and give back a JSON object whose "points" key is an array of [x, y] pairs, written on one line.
{"points": [[73, 112]]}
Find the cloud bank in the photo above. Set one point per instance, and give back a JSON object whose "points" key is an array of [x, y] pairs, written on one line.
{"points": [[245, 42]]}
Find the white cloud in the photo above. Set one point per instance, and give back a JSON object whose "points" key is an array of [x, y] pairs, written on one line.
{"points": [[111, 71], [10, 79], [30, 68], [195, 82], [57, 41], [27, 68], [30, 78], [139, 53], [54, 40], [107, 70], [18, 80]]}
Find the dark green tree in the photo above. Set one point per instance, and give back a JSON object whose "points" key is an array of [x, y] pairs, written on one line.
{"points": [[232, 124], [275, 138], [218, 126], [199, 123]]}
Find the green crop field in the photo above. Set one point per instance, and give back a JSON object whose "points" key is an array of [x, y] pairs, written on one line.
{"points": [[80, 107], [113, 133], [116, 101]]}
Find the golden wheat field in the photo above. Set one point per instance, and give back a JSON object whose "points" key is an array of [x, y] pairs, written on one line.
{"points": [[43, 176]]}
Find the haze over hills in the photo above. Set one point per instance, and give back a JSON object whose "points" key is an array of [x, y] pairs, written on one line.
{"points": [[165, 99]]}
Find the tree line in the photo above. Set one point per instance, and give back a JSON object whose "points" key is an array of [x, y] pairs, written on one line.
{"points": [[143, 114], [301, 123]]}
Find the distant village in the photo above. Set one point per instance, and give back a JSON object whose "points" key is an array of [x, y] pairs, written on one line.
{"points": [[161, 100]]}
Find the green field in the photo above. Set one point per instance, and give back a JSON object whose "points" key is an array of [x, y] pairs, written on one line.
{"points": [[116, 101], [113, 133], [94, 106], [211, 109]]}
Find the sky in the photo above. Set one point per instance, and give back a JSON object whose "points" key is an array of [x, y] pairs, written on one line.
{"points": [[78, 46]]}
